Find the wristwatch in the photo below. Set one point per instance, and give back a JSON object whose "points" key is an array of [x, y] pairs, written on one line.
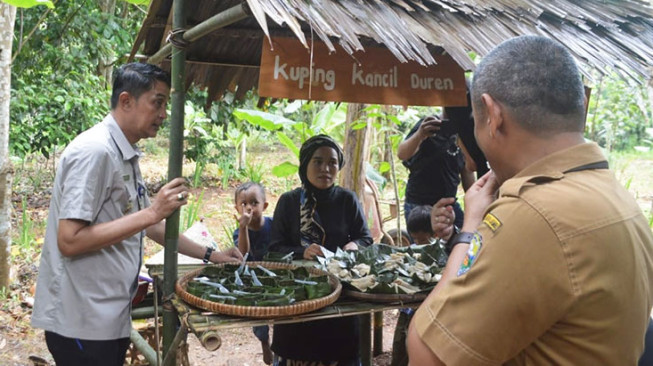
{"points": [[463, 237], [207, 255]]}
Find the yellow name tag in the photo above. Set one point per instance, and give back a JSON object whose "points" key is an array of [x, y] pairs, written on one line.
{"points": [[492, 222]]}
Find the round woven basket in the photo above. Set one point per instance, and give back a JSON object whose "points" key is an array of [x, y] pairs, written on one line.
{"points": [[371, 297], [300, 307]]}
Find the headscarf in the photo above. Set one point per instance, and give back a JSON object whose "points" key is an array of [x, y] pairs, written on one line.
{"points": [[310, 226]]}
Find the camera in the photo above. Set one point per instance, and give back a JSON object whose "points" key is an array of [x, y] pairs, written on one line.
{"points": [[447, 128]]}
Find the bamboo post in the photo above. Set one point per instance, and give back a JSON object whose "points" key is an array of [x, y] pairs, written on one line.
{"points": [[171, 357], [174, 170]]}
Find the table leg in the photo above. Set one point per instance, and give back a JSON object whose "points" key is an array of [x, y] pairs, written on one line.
{"points": [[365, 339], [378, 333]]}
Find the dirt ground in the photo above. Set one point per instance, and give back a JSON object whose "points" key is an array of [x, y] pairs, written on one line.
{"points": [[239, 347], [21, 345]]}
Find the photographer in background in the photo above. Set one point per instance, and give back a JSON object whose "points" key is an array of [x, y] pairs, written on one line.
{"points": [[436, 164]]}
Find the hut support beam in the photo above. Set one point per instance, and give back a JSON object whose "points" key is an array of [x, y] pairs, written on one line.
{"points": [[171, 239], [229, 16]]}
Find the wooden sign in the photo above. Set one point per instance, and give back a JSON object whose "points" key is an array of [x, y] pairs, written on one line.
{"points": [[374, 76]]}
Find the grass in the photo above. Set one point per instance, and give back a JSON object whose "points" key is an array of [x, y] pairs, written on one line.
{"points": [[635, 171]]}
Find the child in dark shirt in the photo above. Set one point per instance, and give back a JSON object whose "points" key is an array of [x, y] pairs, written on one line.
{"points": [[253, 237], [421, 232]]}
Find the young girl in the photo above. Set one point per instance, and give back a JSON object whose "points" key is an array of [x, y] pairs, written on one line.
{"points": [[253, 237]]}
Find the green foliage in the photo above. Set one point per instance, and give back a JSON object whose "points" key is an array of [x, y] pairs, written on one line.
{"points": [[201, 136], [268, 121], [44, 118], [285, 169], [27, 236], [227, 171], [197, 174], [619, 114], [56, 89], [227, 232], [253, 173], [190, 212], [328, 120], [29, 3], [26, 239]]}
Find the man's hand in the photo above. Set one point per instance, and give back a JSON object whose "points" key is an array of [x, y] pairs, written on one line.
{"points": [[171, 196], [442, 218], [312, 251], [477, 199], [350, 246], [228, 255]]}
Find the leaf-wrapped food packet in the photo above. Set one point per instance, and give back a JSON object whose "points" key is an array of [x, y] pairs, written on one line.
{"points": [[278, 257], [317, 290], [301, 273]]}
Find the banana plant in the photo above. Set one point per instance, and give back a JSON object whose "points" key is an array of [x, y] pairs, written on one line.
{"points": [[325, 121]]}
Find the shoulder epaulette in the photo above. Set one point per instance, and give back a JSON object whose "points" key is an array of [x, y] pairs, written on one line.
{"points": [[512, 187]]}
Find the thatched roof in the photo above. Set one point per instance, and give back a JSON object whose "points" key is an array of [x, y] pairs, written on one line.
{"points": [[602, 35]]}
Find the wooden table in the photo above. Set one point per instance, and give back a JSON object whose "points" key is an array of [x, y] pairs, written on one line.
{"points": [[206, 325]]}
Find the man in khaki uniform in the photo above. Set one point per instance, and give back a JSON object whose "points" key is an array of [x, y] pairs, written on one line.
{"points": [[558, 268]]}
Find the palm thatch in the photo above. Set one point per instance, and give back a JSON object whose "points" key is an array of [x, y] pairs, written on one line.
{"points": [[603, 35]]}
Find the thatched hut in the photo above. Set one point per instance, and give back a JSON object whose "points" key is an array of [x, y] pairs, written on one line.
{"points": [[603, 35]]}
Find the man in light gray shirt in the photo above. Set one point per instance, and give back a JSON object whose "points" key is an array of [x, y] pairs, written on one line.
{"points": [[99, 213]]}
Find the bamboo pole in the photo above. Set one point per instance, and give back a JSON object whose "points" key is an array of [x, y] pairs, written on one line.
{"points": [[220, 20], [146, 312], [174, 170], [396, 192], [210, 340], [143, 347], [171, 358]]}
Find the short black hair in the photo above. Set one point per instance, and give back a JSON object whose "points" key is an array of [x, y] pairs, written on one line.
{"points": [[463, 119], [245, 186], [136, 78], [419, 220], [538, 80]]}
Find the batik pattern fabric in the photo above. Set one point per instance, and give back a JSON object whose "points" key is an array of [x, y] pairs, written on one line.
{"points": [[310, 227]]}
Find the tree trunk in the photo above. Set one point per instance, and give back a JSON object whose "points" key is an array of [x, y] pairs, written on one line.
{"points": [[105, 62], [242, 155], [356, 150], [7, 20]]}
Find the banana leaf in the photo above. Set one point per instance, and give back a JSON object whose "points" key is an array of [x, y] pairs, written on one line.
{"points": [[318, 290], [278, 257], [300, 273]]}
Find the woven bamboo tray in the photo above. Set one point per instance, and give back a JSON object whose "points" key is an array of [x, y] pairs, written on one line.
{"points": [[385, 298], [300, 307]]}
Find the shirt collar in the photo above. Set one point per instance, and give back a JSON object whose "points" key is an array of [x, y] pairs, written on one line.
{"points": [[127, 150], [552, 167], [559, 162]]}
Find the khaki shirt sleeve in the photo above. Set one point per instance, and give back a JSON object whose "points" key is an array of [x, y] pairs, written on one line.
{"points": [[516, 288]]}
